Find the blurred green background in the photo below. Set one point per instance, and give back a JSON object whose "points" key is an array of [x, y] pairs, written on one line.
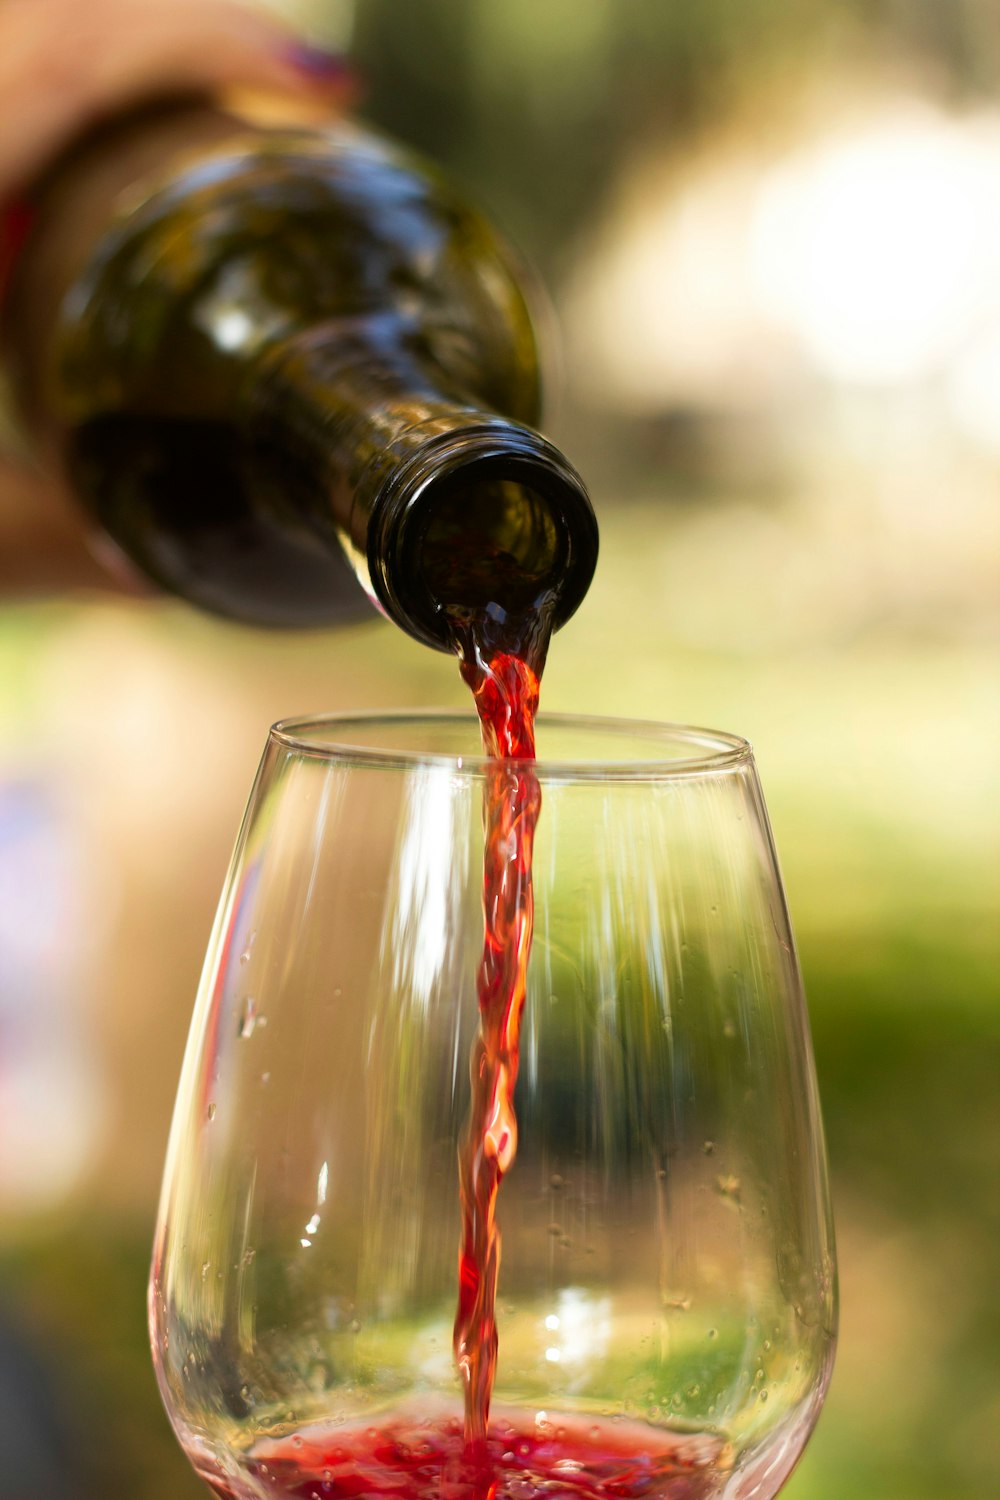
{"points": [[771, 237]]}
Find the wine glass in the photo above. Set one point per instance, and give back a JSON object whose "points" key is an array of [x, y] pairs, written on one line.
{"points": [[667, 1298]]}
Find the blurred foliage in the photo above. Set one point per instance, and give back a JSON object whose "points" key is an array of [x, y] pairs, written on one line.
{"points": [[540, 104]]}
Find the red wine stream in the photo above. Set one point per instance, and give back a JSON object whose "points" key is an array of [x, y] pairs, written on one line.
{"points": [[504, 685]]}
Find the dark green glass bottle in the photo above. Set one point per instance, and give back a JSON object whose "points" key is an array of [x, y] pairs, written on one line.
{"points": [[275, 363]]}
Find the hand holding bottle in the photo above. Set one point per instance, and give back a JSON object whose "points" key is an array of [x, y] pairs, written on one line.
{"points": [[276, 361], [63, 66]]}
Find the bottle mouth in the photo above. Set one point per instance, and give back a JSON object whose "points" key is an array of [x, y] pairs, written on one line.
{"points": [[487, 520]]}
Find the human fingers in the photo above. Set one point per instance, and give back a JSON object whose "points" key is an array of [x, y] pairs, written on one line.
{"points": [[64, 64]]}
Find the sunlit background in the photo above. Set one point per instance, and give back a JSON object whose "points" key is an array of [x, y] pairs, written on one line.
{"points": [[771, 237]]}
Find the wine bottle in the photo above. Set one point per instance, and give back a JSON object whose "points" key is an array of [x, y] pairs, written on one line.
{"points": [[277, 363]]}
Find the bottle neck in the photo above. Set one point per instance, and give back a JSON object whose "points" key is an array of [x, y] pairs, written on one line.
{"points": [[444, 509]]}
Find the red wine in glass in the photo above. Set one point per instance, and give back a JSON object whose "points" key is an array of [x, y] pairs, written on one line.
{"points": [[426, 1457]]}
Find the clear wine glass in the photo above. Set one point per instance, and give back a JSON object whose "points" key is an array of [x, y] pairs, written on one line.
{"points": [[667, 1295]]}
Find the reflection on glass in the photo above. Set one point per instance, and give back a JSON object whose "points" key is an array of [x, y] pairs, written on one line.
{"points": [[667, 1298]]}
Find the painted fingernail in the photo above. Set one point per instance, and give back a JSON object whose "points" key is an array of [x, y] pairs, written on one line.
{"points": [[329, 67]]}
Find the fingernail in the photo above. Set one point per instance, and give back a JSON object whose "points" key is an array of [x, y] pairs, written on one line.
{"points": [[331, 67]]}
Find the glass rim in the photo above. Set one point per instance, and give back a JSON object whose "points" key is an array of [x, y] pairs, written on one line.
{"points": [[712, 750]]}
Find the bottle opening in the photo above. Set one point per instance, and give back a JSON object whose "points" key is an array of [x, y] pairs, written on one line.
{"points": [[482, 517], [489, 538]]}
